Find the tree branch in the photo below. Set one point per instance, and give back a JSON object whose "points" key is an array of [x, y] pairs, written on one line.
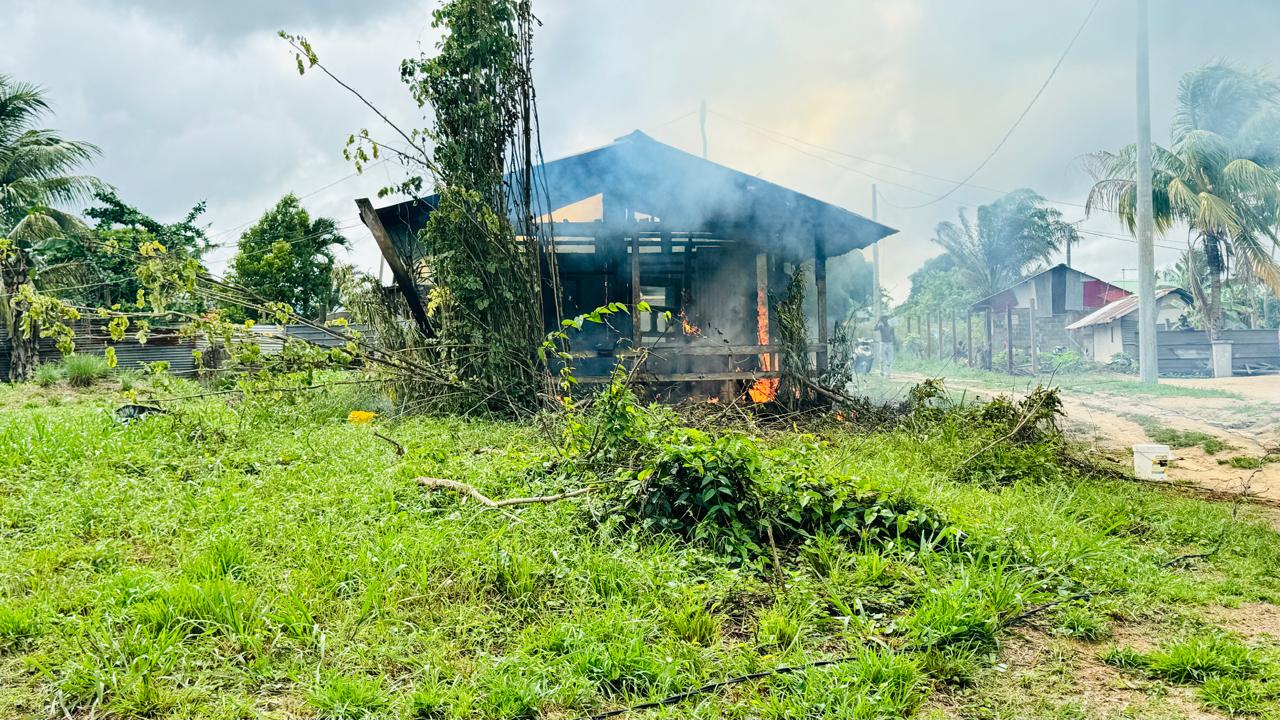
{"points": [[465, 489]]}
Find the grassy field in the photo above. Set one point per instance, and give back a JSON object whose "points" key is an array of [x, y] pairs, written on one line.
{"points": [[1071, 382], [267, 558]]}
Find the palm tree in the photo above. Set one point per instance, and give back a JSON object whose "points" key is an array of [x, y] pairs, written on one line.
{"points": [[35, 175], [1011, 235], [1220, 177]]}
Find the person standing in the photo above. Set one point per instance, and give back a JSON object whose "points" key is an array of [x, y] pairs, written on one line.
{"points": [[888, 344]]}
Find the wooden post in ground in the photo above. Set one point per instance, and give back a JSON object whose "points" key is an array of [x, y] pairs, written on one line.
{"points": [[968, 322], [928, 335], [1031, 328], [991, 344], [1008, 337], [942, 353], [955, 337], [637, 332], [820, 283]]}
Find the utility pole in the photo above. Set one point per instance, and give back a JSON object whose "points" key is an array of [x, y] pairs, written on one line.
{"points": [[702, 125], [1147, 369]]}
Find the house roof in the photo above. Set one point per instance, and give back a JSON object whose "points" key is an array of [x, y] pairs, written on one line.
{"points": [[984, 302], [1125, 305], [686, 193]]}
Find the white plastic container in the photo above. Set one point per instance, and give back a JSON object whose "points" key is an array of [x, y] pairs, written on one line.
{"points": [[1150, 460]]}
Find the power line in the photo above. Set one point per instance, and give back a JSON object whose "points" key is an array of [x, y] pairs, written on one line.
{"points": [[1022, 116]]}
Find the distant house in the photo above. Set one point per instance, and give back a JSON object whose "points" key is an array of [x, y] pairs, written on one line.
{"points": [[1060, 296], [1113, 328]]}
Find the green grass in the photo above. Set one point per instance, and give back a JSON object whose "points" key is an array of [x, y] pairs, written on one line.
{"points": [[1211, 444], [83, 370], [235, 559], [1095, 382]]}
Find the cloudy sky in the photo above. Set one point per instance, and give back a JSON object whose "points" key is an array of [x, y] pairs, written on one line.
{"points": [[195, 101]]}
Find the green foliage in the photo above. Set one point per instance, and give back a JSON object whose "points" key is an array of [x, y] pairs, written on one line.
{"points": [[1234, 696], [47, 375], [287, 257], [1082, 623], [84, 369], [347, 698], [18, 624], [1192, 660], [1011, 235]]}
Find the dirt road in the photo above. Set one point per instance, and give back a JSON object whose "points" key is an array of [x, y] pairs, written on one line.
{"points": [[1249, 426]]}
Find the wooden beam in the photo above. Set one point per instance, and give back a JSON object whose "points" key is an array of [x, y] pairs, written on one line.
{"points": [[404, 280], [688, 377], [820, 283], [1008, 337], [637, 332]]}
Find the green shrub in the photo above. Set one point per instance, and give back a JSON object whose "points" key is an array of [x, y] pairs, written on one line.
{"points": [[1242, 462], [47, 375], [84, 370], [777, 628], [129, 378], [347, 698]]}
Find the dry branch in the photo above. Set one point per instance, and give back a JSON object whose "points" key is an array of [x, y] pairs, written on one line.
{"points": [[465, 489]]}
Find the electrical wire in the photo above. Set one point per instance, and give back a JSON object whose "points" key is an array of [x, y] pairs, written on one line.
{"points": [[1021, 117]]}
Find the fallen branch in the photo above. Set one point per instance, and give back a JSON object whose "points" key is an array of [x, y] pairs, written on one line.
{"points": [[1062, 601], [465, 489], [399, 448]]}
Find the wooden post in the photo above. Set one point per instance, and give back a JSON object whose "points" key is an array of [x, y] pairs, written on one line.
{"points": [[941, 345], [991, 345], [820, 283], [1031, 328], [404, 280], [968, 322], [954, 336], [1008, 337], [928, 335], [637, 332]]}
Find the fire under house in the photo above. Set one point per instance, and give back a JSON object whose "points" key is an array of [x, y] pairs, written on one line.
{"points": [[641, 221]]}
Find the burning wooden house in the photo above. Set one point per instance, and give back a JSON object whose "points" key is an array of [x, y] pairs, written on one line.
{"points": [[638, 221]]}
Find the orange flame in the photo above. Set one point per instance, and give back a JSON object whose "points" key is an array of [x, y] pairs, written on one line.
{"points": [[687, 327], [764, 389]]}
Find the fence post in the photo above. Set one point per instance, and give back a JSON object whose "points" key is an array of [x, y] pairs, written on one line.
{"points": [[1031, 326], [955, 338], [968, 333], [928, 335], [1008, 337]]}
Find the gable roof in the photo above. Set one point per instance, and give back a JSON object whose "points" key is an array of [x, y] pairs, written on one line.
{"points": [[987, 301], [1125, 305], [687, 193]]}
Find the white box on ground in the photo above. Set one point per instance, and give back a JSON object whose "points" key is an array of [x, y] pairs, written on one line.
{"points": [[1150, 460]]}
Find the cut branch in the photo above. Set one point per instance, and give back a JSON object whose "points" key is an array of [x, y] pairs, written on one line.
{"points": [[465, 489]]}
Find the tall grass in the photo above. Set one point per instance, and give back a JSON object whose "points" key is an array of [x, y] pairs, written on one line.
{"points": [[227, 557]]}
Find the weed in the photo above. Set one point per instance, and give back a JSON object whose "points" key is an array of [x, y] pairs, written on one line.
{"points": [[83, 369], [129, 378], [695, 623], [18, 625], [779, 629], [1234, 696], [1242, 462], [347, 697], [47, 375], [1213, 446], [1124, 657], [1081, 623], [1200, 657]]}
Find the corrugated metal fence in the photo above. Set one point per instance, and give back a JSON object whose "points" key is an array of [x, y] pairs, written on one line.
{"points": [[164, 344], [1187, 352]]}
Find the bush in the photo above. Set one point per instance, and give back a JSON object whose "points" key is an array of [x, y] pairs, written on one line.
{"points": [[47, 375], [84, 370]]}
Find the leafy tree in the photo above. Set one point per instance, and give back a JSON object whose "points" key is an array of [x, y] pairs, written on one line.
{"points": [[102, 269], [36, 167], [1011, 235], [288, 257], [938, 284], [1220, 177]]}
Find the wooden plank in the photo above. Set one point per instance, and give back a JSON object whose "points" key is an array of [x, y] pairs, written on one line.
{"points": [[688, 377], [991, 347], [404, 280], [1008, 337], [968, 322]]}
